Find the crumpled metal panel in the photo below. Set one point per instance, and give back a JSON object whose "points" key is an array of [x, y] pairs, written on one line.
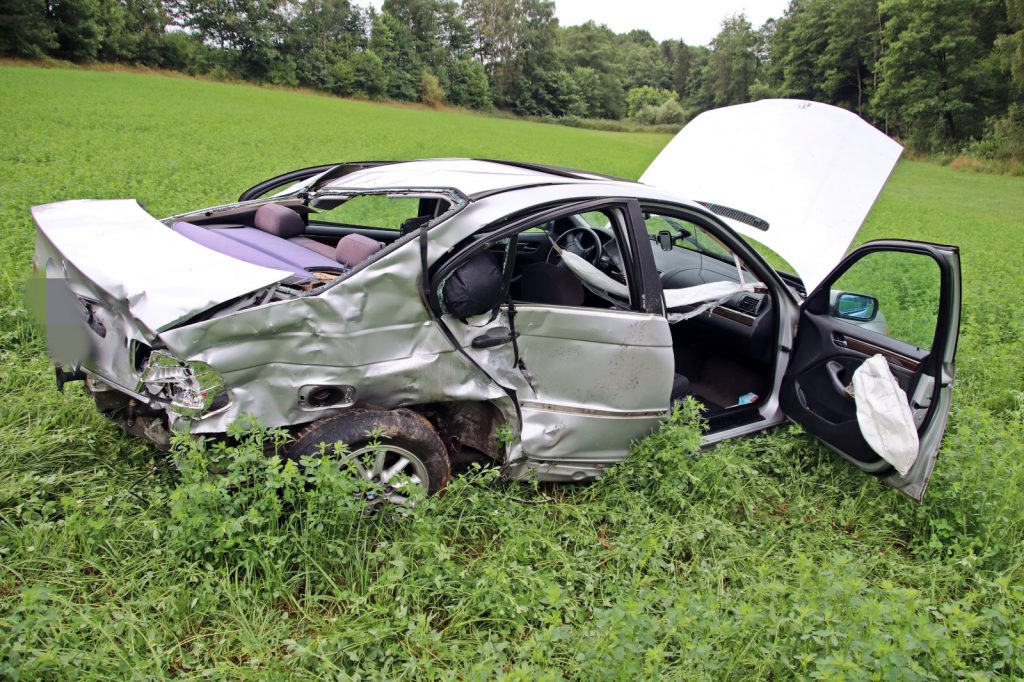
{"points": [[575, 447], [618, 360], [152, 273], [61, 294], [371, 332]]}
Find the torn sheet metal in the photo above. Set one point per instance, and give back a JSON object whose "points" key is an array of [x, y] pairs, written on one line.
{"points": [[372, 333]]}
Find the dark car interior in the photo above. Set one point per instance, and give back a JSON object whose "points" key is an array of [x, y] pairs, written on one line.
{"points": [[723, 356]]}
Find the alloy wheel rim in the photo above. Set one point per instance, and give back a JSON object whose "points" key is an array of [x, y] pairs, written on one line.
{"points": [[392, 469]]}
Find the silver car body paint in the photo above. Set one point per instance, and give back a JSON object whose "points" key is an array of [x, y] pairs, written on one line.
{"points": [[591, 381], [372, 331]]}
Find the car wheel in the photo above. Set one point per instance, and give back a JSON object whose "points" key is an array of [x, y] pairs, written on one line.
{"points": [[391, 449]]}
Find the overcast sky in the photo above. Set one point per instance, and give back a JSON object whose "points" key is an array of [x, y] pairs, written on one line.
{"points": [[695, 21]]}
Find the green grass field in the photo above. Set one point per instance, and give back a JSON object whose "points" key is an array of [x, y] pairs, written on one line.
{"points": [[766, 558]]}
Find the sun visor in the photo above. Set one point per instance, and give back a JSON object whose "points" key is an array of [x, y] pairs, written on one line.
{"points": [[796, 176]]}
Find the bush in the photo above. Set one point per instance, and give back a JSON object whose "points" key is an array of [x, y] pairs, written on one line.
{"points": [[638, 99], [431, 92], [670, 112]]}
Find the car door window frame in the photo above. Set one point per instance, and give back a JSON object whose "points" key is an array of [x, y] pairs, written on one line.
{"points": [[817, 303], [643, 298]]}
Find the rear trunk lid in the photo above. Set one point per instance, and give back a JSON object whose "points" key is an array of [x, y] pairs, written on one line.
{"points": [[114, 252], [796, 176]]}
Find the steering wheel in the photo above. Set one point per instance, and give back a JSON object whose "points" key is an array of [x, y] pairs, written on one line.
{"points": [[573, 240]]}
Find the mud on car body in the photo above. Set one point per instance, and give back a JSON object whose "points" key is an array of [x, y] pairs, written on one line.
{"points": [[533, 317]]}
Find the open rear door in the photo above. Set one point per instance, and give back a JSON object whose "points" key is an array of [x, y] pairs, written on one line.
{"points": [[897, 299]]}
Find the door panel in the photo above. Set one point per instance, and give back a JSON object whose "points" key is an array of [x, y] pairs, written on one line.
{"points": [[894, 298], [588, 379]]}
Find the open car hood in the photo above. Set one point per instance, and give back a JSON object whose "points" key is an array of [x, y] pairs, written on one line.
{"points": [[796, 176], [115, 250]]}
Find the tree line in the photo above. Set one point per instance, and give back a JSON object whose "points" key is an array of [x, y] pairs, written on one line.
{"points": [[939, 74]]}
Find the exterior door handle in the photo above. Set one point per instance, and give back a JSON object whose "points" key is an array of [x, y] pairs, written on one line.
{"points": [[490, 341]]}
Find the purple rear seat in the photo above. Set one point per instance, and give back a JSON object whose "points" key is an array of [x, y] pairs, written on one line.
{"points": [[297, 257], [221, 243]]}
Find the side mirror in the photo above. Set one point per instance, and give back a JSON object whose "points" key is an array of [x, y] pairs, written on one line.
{"points": [[856, 307], [665, 240]]}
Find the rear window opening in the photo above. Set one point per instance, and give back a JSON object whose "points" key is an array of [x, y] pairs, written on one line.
{"points": [[380, 211]]}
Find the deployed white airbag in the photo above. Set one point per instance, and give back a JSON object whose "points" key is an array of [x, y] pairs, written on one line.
{"points": [[884, 415], [709, 295], [713, 292], [591, 275]]}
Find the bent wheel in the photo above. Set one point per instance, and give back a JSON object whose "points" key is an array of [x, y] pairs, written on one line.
{"points": [[395, 450]]}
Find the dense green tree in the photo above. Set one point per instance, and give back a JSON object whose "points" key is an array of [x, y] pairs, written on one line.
{"points": [[799, 39], [515, 41], [370, 79], [320, 37], [133, 30], [1013, 44], [700, 94], [642, 61], [936, 83], [392, 41], [678, 58], [823, 50], [79, 28], [250, 31], [24, 30], [851, 54], [732, 64], [468, 85], [595, 48], [437, 28]]}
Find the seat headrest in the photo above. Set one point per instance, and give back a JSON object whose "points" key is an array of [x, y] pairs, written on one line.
{"points": [[353, 249], [279, 221]]}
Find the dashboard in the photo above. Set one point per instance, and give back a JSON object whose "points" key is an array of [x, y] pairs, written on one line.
{"points": [[742, 323]]}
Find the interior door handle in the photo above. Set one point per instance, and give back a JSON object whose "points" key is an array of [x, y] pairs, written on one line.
{"points": [[834, 370]]}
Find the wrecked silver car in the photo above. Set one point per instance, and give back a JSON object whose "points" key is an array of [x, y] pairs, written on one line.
{"points": [[532, 317]]}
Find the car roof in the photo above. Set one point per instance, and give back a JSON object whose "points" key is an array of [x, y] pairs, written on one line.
{"points": [[473, 178]]}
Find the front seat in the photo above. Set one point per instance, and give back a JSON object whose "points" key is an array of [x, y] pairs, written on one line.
{"points": [[547, 283]]}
